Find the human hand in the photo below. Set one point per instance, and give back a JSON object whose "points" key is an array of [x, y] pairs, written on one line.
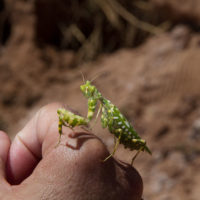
{"points": [[32, 168]]}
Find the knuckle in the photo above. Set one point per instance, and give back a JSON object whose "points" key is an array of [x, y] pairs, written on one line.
{"points": [[49, 111], [95, 151]]}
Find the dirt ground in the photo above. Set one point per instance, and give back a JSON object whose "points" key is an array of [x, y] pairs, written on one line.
{"points": [[156, 86]]}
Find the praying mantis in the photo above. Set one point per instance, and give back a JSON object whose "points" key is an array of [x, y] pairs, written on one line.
{"points": [[111, 118]]}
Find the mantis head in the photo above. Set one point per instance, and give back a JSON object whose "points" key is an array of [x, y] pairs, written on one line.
{"points": [[88, 89]]}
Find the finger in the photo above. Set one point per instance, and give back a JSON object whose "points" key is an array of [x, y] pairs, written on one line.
{"points": [[68, 173], [26, 149], [133, 181], [4, 149]]}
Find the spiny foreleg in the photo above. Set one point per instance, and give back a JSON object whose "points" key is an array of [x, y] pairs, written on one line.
{"points": [[70, 120], [92, 103], [61, 123], [104, 118]]}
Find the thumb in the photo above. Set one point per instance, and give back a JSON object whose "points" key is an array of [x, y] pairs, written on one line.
{"points": [[4, 149]]}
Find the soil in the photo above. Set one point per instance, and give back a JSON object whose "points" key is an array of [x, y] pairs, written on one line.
{"points": [[156, 86]]}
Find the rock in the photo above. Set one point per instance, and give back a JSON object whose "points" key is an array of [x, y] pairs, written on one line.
{"points": [[180, 10], [181, 36], [195, 132]]}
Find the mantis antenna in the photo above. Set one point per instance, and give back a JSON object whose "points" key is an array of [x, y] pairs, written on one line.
{"points": [[83, 77], [96, 76]]}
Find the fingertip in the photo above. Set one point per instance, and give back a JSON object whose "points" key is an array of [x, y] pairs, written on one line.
{"points": [[21, 161], [4, 146], [135, 181], [131, 179], [4, 135], [27, 146], [4, 149]]}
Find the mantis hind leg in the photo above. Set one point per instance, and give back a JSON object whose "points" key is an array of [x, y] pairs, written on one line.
{"points": [[135, 156], [115, 148]]}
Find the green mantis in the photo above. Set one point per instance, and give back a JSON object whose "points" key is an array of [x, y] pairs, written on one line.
{"points": [[111, 118]]}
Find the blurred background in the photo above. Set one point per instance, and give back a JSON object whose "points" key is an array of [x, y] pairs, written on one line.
{"points": [[145, 55]]}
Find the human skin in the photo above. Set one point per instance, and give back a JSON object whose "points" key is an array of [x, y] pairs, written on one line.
{"points": [[31, 167]]}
